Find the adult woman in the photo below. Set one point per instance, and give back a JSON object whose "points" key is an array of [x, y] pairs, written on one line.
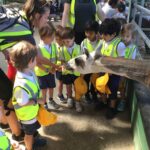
{"points": [[35, 14], [77, 12]]}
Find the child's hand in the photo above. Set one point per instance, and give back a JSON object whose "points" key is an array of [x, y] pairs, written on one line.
{"points": [[60, 68], [63, 68]]}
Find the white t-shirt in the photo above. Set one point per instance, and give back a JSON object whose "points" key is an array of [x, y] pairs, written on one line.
{"points": [[108, 11], [119, 15]]}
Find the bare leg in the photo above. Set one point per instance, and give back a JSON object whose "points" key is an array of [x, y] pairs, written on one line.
{"points": [[69, 90], [3, 119], [12, 120], [44, 94], [60, 87], [28, 139], [51, 91]]}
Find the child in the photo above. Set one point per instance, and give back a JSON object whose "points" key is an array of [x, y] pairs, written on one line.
{"points": [[128, 35], [90, 43], [26, 92], [120, 11], [112, 46], [59, 76], [69, 51], [45, 73]]}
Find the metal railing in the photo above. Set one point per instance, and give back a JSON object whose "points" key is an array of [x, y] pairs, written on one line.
{"points": [[134, 10]]}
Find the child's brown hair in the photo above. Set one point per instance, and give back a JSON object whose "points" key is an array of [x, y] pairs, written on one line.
{"points": [[21, 54], [47, 30], [59, 30], [68, 33], [129, 27]]}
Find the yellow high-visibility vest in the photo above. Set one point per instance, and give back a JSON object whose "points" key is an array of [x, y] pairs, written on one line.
{"points": [[87, 44], [67, 56], [71, 21], [111, 49], [129, 51], [52, 57], [4, 141], [29, 112]]}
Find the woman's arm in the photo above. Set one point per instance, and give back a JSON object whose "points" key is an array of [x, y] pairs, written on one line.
{"points": [[100, 12], [65, 15]]}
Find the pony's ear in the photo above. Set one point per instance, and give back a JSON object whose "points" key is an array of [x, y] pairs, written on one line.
{"points": [[98, 52], [79, 62], [86, 53]]}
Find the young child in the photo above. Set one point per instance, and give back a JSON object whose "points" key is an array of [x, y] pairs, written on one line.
{"points": [[112, 46], [45, 73], [121, 7], [26, 92], [128, 36], [91, 42], [59, 76], [69, 51]]}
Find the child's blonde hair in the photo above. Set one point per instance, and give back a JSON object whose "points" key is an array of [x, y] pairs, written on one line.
{"points": [[129, 27], [47, 30], [21, 54]]}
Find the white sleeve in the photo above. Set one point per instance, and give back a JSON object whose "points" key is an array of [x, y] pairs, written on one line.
{"points": [[121, 49], [21, 96]]}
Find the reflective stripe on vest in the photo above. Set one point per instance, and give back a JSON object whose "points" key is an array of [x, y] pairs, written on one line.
{"points": [[67, 56], [71, 21], [4, 141], [59, 51], [50, 56], [16, 30], [87, 44], [111, 49], [129, 52], [34, 93], [5, 46]]}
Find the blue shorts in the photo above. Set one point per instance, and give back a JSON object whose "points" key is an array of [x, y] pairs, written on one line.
{"points": [[30, 129], [59, 75], [113, 85], [69, 78], [47, 81]]}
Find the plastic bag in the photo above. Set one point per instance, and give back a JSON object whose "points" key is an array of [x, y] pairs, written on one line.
{"points": [[101, 84], [45, 117], [80, 87]]}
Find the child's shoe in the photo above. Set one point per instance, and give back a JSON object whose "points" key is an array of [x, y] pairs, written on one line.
{"points": [[78, 107], [46, 106], [88, 99], [53, 104], [111, 113], [61, 98], [70, 102], [121, 105]]}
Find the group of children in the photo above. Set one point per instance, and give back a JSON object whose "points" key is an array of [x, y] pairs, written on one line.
{"points": [[58, 46], [116, 42]]}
